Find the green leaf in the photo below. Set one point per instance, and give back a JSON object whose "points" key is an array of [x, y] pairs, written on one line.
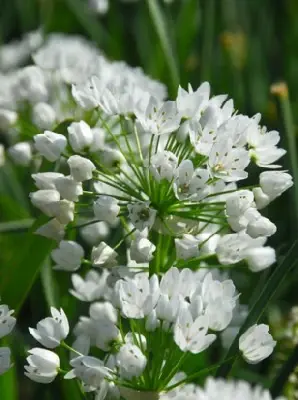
{"points": [[18, 276], [260, 305], [159, 23]]}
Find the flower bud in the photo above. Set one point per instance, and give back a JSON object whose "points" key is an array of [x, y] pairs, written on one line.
{"points": [[131, 361], [106, 209], [21, 153], [80, 168], [43, 199], [50, 144], [274, 183], [141, 249], [46, 180], [63, 210], [7, 119], [80, 136], [259, 225], [98, 139], [261, 199], [260, 258], [43, 116], [187, 247], [103, 256], [68, 188], [51, 230], [68, 256]]}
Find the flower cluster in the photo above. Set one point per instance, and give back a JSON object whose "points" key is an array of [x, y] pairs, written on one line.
{"points": [[172, 180]]}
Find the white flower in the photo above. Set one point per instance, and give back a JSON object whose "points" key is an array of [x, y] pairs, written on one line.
{"points": [[52, 230], [21, 153], [159, 118], [258, 225], [141, 215], [141, 249], [256, 343], [62, 210], [68, 256], [7, 119], [218, 301], [227, 162], [263, 146], [274, 183], [46, 180], [190, 183], [103, 256], [191, 335], [230, 248], [93, 287], [190, 103], [43, 365], [90, 370], [80, 168], [99, 6], [50, 144], [131, 361], [261, 199], [43, 115], [98, 139], [259, 258], [52, 330], [43, 199], [163, 165], [31, 84], [137, 296], [228, 389], [68, 188], [80, 136], [4, 359], [106, 208], [187, 247], [237, 203], [7, 322]]}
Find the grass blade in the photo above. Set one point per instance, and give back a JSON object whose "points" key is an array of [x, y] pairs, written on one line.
{"points": [[259, 307], [162, 33], [282, 378]]}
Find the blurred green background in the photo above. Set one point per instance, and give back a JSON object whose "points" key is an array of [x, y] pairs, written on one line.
{"points": [[241, 47]]}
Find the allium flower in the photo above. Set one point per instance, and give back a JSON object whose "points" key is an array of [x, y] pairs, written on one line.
{"points": [[7, 322], [50, 144], [52, 330], [191, 335], [90, 370], [80, 168], [68, 256], [131, 361], [106, 208], [256, 344], [43, 365]]}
